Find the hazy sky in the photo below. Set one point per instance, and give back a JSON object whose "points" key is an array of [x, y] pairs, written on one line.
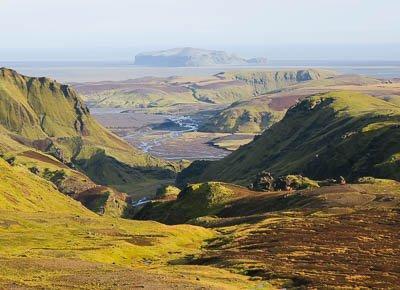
{"points": [[117, 29]]}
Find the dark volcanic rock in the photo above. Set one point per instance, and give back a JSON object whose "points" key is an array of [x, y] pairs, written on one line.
{"points": [[264, 181]]}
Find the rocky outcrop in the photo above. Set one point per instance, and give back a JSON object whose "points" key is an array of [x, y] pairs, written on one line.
{"points": [[265, 181]]}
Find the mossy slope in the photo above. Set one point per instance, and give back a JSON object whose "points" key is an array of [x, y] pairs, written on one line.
{"points": [[48, 240], [196, 200], [245, 117], [49, 116], [341, 133]]}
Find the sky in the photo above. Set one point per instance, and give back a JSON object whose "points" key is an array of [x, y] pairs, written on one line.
{"points": [[118, 29]]}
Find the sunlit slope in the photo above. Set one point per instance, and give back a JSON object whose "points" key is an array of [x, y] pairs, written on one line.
{"points": [[49, 240], [250, 116], [341, 133], [223, 88], [320, 237], [22, 191], [259, 113], [264, 81], [49, 116], [242, 85]]}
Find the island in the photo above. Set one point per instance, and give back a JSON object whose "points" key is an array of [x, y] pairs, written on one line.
{"points": [[193, 57]]}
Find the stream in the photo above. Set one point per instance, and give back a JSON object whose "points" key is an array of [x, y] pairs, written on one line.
{"points": [[171, 137]]}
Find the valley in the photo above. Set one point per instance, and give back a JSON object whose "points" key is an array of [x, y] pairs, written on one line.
{"points": [[171, 137], [199, 145], [226, 110], [239, 180]]}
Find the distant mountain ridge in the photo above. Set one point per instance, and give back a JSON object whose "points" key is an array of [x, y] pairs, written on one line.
{"points": [[189, 57]]}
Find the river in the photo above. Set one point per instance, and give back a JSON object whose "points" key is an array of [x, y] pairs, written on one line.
{"points": [[169, 137]]}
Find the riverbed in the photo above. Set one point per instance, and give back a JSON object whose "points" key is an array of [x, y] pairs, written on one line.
{"points": [[171, 137]]}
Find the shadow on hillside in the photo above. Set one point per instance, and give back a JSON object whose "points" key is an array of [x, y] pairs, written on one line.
{"points": [[106, 170]]}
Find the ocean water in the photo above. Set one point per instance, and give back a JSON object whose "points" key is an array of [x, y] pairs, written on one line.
{"points": [[85, 71]]}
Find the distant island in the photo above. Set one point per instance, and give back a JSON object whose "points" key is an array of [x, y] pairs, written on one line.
{"points": [[188, 56]]}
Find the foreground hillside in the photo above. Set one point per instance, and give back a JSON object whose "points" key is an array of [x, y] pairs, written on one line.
{"points": [[328, 135], [44, 115], [48, 240], [330, 237]]}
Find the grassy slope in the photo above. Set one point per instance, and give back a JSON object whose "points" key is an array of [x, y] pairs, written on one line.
{"points": [[243, 117], [257, 114], [263, 82], [224, 88], [49, 240], [328, 237], [243, 85], [340, 133], [74, 183], [41, 109], [131, 99], [194, 201]]}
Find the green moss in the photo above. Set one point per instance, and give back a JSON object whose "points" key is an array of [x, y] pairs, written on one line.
{"points": [[193, 201], [372, 180], [51, 114], [168, 191], [246, 117], [44, 234], [299, 182], [328, 135]]}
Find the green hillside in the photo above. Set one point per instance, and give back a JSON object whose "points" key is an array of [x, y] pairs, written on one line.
{"points": [[315, 238], [22, 191], [327, 135], [266, 81], [236, 86], [48, 240], [244, 116], [223, 88], [259, 113], [48, 116]]}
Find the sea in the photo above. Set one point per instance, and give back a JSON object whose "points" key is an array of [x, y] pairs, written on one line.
{"points": [[92, 71]]}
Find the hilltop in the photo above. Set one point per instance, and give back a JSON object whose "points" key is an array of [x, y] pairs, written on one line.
{"points": [[340, 133], [188, 56]]}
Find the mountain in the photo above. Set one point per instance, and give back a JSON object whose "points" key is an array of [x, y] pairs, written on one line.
{"points": [[333, 134], [44, 115], [256, 114], [223, 88], [264, 81], [188, 56]]}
